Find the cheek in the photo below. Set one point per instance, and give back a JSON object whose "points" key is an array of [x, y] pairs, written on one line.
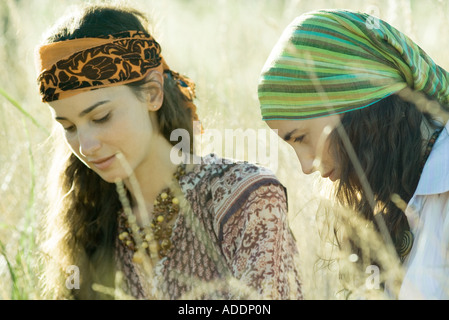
{"points": [[133, 135], [328, 157], [136, 119], [126, 128], [137, 129], [303, 153]]}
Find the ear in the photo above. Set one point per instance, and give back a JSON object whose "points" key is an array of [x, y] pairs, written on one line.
{"points": [[154, 88]]}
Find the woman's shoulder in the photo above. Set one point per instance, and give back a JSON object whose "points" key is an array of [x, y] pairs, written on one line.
{"points": [[231, 173], [227, 184], [233, 184]]}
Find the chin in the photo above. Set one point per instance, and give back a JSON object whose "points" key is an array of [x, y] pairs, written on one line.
{"points": [[112, 177]]}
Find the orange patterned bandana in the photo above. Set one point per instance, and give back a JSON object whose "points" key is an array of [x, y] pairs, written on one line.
{"points": [[73, 66]]}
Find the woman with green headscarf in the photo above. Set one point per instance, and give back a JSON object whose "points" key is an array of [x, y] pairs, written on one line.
{"points": [[365, 106]]}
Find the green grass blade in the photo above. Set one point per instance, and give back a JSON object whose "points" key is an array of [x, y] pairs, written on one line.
{"points": [[23, 111], [15, 294]]}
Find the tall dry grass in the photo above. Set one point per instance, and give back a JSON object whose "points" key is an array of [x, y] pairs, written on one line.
{"points": [[222, 45]]}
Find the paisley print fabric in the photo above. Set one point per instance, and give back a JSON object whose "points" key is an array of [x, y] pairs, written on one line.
{"points": [[231, 240]]}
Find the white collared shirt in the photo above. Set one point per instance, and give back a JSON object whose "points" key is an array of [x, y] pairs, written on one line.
{"points": [[427, 266]]}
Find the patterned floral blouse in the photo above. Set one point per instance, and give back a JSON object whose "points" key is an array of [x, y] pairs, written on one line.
{"points": [[233, 241]]}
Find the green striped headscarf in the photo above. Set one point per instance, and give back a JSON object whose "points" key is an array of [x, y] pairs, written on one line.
{"points": [[334, 61]]}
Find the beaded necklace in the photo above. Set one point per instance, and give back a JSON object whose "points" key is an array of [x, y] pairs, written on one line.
{"points": [[155, 238], [407, 239]]}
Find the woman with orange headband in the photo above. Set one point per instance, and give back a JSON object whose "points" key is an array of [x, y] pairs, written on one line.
{"points": [[172, 230]]}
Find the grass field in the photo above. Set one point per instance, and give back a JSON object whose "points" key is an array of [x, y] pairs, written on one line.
{"points": [[221, 45]]}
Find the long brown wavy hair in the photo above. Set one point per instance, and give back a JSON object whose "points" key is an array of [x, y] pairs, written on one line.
{"points": [[81, 224], [388, 143]]}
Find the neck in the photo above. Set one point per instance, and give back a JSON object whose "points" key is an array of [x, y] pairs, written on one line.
{"points": [[150, 178]]}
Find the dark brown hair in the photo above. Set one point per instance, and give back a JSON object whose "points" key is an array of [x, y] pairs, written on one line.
{"points": [[388, 143], [81, 226]]}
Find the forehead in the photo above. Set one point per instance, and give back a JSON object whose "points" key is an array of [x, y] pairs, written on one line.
{"points": [[285, 126], [86, 99]]}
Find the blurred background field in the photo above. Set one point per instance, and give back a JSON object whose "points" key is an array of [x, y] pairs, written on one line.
{"points": [[221, 45]]}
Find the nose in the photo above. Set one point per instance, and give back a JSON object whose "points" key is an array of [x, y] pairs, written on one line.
{"points": [[307, 163], [307, 166], [88, 143]]}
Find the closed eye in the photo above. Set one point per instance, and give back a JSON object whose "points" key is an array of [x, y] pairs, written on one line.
{"points": [[299, 139], [70, 129], [104, 119]]}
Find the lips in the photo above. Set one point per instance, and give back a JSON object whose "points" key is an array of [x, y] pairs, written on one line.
{"points": [[103, 163], [329, 175]]}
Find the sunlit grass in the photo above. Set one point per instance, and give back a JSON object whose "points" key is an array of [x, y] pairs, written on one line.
{"points": [[222, 45]]}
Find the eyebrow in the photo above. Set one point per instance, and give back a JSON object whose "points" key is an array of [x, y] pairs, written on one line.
{"points": [[87, 110], [288, 135]]}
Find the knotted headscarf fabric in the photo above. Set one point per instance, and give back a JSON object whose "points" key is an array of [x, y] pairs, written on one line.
{"points": [[78, 65], [334, 61]]}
